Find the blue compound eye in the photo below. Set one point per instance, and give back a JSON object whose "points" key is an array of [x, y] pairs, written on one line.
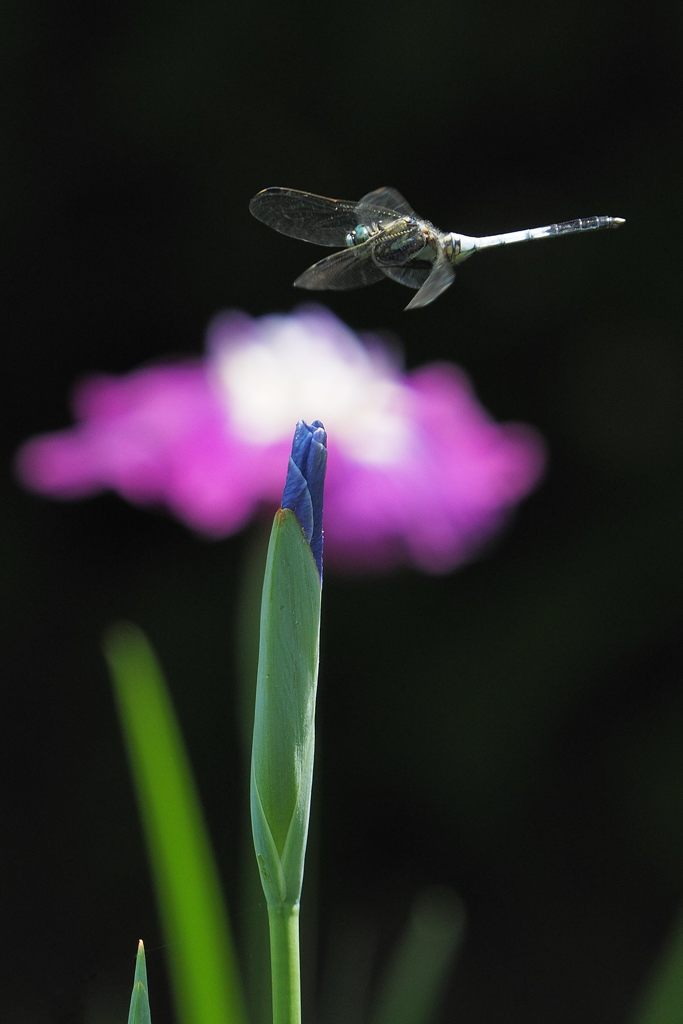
{"points": [[362, 234], [350, 239]]}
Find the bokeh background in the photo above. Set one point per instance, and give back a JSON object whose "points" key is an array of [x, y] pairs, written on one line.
{"points": [[512, 731]]}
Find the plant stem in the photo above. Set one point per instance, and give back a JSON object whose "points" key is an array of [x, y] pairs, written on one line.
{"points": [[284, 963]]}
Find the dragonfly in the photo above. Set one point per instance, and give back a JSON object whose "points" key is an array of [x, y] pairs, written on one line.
{"points": [[381, 236]]}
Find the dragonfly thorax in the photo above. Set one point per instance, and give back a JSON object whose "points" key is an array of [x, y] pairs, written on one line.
{"points": [[376, 228]]}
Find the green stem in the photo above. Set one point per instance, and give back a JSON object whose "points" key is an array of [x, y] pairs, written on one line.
{"points": [[284, 963]]}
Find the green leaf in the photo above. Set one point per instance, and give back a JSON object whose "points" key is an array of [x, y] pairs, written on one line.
{"points": [[284, 719], [203, 969], [417, 975], [662, 1000], [139, 1001]]}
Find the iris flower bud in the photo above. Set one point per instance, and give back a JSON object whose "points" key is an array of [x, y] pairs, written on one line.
{"points": [[284, 727], [303, 492]]}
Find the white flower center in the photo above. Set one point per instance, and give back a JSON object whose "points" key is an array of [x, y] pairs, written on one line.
{"points": [[309, 366]]}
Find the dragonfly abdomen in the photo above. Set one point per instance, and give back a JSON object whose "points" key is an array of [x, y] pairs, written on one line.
{"points": [[571, 227]]}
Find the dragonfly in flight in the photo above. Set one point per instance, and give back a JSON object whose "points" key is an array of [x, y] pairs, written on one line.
{"points": [[381, 236]]}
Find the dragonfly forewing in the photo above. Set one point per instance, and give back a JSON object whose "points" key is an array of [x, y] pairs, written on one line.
{"points": [[312, 218], [305, 216]]}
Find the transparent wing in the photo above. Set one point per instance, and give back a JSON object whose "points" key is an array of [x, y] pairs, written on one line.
{"points": [[441, 278], [312, 218], [305, 216], [388, 199], [350, 268], [413, 275]]}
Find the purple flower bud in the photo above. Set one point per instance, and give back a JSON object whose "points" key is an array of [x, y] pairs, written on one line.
{"points": [[303, 491]]}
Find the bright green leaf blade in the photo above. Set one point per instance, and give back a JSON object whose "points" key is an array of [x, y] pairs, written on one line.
{"points": [[139, 1001], [416, 976], [203, 969], [662, 1001]]}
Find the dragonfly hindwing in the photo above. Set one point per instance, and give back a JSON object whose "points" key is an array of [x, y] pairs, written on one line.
{"points": [[389, 199], [441, 278], [413, 275]]}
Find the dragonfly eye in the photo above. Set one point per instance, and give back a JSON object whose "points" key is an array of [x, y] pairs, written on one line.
{"points": [[360, 234]]}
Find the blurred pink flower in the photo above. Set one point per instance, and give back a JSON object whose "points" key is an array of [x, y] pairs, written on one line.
{"points": [[418, 472]]}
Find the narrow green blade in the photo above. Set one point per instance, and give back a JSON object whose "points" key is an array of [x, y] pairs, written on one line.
{"points": [[139, 1001], [203, 970], [417, 974], [662, 1000]]}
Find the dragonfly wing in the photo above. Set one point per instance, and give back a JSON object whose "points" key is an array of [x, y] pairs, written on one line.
{"points": [[412, 275], [387, 199], [350, 268], [441, 278], [305, 216]]}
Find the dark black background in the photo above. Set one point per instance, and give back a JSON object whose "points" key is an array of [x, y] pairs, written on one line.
{"points": [[513, 730]]}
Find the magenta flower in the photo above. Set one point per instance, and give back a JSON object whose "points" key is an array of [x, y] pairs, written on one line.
{"points": [[418, 472]]}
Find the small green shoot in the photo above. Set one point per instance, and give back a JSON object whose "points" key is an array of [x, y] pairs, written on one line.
{"points": [[139, 1000]]}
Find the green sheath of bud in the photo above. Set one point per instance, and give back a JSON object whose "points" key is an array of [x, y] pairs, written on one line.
{"points": [[284, 723]]}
